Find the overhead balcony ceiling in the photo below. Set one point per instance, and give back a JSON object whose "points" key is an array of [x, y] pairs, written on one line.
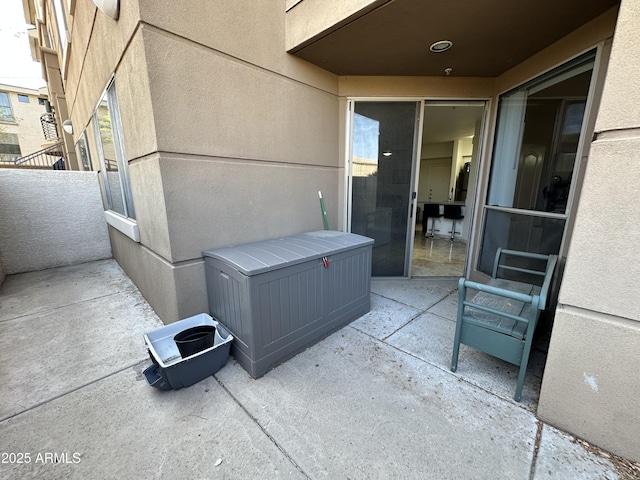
{"points": [[489, 36]]}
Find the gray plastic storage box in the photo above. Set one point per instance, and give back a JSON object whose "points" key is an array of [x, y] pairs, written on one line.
{"points": [[169, 370], [279, 296]]}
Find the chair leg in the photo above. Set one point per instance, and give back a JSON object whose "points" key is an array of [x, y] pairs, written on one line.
{"points": [[520, 384], [456, 340], [453, 229], [523, 366], [433, 225]]}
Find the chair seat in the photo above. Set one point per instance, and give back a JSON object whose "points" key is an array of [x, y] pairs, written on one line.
{"points": [[503, 325]]}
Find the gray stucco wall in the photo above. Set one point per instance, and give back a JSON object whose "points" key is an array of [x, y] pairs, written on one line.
{"points": [[50, 219]]}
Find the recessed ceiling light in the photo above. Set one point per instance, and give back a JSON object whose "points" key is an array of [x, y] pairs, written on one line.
{"points": [[441, 46], [387, 153]]}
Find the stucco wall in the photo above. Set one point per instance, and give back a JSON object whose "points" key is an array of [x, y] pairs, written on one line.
{"points": [[228, 137], [246, 136], [591, 384], [309, 18], [50, 219]]}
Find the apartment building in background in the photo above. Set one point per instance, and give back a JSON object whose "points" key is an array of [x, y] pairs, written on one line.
{"points": [[21, 130], [216, 123]]}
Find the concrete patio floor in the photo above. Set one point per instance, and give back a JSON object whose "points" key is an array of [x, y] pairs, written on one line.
{"points": [[374, 400]]}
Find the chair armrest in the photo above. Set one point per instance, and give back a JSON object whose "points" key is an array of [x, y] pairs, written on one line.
{"points": [[481, 287]]}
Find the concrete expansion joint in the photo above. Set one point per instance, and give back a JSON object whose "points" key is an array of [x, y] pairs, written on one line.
{"points": [[72, 390], [257, 423], [49, 310], [448, 371], [629, 133], [536, 449]]}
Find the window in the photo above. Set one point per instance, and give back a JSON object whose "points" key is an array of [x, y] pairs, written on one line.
{"points": [[83, 152], [23, 98], [9, 147], [113, 164], [61, 23], [536, 151], [536, 142], [42, 101], [6, 114]]}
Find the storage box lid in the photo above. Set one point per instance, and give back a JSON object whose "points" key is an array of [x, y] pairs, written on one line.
{"points": [[267, 255]]}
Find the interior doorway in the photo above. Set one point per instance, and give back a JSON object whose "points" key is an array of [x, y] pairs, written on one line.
{"points": [[450, 150]]}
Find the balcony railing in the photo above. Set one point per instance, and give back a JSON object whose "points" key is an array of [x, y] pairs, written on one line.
{"points": [[50, 157], [49, 128]]}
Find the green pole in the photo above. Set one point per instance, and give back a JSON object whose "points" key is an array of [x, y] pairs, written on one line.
{"points": [[324, 212]]}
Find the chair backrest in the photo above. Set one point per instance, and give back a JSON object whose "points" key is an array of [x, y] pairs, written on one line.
{"points": [[453, 212], [546, 273], [432, 210]]}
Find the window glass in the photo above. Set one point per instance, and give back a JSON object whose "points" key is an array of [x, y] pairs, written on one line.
{"points": [[9, 147], [6, 114], [536, 142], [83, 152], [528, 233], [61, 23], [113, 162], [41, 101], [535, 152], [23, 98]]}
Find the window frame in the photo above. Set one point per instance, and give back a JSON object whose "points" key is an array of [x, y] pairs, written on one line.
{"points": [[88, 165], [9, 156], [7, 118], [597, 60], [126, 223], [61, 23], [23, 98]]}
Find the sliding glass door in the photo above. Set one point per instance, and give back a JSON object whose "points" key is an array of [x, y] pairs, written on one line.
{"points": [[532, 179], [382, 178]]}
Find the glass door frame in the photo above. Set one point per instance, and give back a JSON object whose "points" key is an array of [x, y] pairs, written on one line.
{"points": [[480, 187], [415, 165], [602, 53]]}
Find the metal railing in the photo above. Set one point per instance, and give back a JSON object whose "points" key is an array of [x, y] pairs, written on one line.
{"points": [[49, 128], [50, 157]]}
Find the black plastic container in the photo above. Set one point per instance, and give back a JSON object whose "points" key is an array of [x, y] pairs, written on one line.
{"points": [[195, 339]]}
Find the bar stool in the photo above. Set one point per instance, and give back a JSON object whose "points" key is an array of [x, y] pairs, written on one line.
{"points": [[431, 210], [453, 213]]}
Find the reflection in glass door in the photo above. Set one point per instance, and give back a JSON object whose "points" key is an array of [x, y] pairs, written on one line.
{"points": [[383, 153], [537, 148]]}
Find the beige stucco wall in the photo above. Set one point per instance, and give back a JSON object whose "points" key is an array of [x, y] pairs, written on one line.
{"points": [[228, 137], [307, 19], [591, 385], [98, 47], [246, 136]]}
